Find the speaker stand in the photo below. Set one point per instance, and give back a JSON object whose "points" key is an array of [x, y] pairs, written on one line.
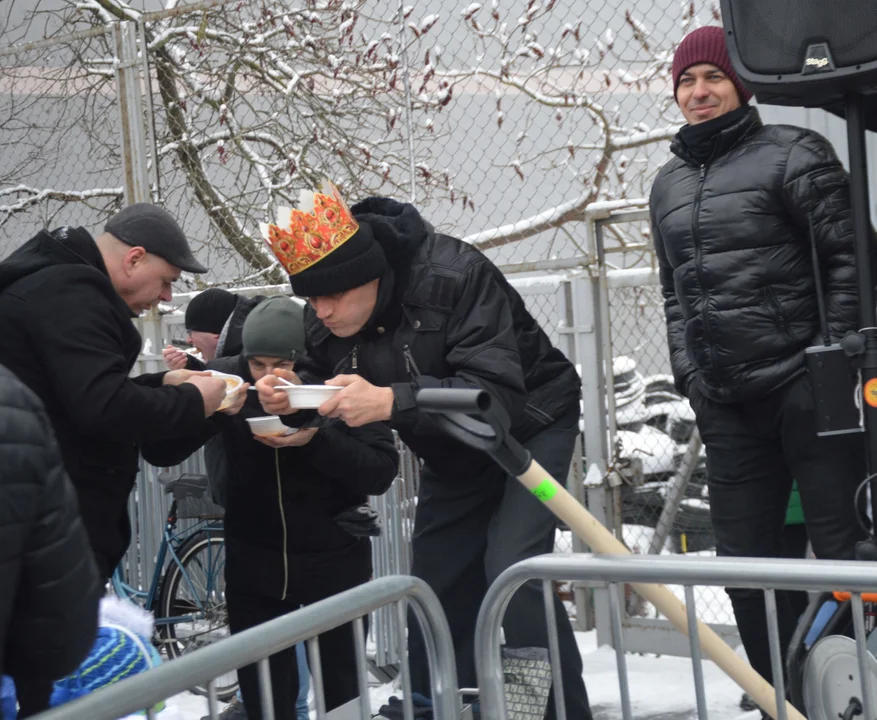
{"points": [[867, 337]]}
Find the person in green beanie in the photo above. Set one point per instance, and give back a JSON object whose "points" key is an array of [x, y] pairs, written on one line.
{"points": [[297, 525]]}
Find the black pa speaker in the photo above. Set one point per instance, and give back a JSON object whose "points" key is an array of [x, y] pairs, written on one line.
{"points": [[809, 53]]}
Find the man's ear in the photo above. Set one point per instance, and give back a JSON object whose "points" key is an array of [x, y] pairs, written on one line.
{"points": [[134, 257]]}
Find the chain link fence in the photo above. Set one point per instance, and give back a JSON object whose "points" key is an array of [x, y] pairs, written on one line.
{"points": [[556, 105], [59, 142], [653, 422], [503, 122], [254, 102]]}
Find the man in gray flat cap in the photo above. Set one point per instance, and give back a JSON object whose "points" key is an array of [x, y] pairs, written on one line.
{"points": [[67, 301]]}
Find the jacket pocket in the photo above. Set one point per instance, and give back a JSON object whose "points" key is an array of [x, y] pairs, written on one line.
{"points": [[532, 421], [424, 320], [779, 317], [538, 414]]}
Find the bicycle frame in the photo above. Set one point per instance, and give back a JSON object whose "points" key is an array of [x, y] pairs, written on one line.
{"points": [[171, 541]]}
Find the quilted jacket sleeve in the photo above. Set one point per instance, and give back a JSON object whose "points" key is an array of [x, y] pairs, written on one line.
{"points": [[50, 579], [683, 370], [817, 194]]}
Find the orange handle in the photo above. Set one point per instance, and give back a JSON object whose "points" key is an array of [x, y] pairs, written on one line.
{"points": [[844, 596]]}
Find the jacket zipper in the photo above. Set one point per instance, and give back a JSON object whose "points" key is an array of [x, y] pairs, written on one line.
{"points": [[409, 361], [352, 356], [283, 523], [698, 260]]}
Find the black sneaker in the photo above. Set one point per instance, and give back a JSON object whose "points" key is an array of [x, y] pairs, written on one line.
{"points": [[747, 703], [234, 711], [394, 710]]}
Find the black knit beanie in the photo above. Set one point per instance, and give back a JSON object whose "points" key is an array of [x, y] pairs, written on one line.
{"points": [[275, 328], [353, 263], [210, 310]]}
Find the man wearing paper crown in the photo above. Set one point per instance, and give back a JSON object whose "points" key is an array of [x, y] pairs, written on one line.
{"points": [[395, 307]]}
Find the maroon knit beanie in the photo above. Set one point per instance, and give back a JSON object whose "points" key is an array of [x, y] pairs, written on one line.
{"points": [[706, 45]]}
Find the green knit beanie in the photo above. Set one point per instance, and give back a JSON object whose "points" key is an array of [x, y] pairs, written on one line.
{"points": [[275, 328]]}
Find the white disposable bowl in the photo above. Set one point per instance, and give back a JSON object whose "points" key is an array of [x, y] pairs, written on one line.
{"points": [[269, 426], [304, 397], [233, 383]]}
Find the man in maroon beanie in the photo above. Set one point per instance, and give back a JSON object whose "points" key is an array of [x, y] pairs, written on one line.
{"points": [[733, 215]]}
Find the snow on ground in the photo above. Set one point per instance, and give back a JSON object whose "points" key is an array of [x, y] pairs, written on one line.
{"points": [[661, 688]]}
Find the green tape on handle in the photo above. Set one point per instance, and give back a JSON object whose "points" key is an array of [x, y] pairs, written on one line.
{"points": [[545, 490]]}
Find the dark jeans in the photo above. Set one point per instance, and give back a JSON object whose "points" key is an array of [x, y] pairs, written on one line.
{"points": [[337, 658], [753, 451], [470, 528], [795, 547]]}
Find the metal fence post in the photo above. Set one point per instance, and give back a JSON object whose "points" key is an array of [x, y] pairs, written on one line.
{"points": [[152, 330], [132, 139], [568, 329], [589, 357], [409, 108]]}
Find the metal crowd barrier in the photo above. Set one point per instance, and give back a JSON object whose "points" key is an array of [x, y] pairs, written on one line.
{"points": [[257, 644], [391, 555], [764, 574]]}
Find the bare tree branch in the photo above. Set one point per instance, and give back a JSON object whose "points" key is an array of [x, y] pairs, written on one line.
{"points": [[255, 101]]}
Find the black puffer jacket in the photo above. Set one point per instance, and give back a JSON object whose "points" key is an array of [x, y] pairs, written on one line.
{"points": [[49, 584], [733, 240], [445, 317]]}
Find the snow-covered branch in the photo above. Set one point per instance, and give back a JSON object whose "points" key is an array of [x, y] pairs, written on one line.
{"points": [[637, 140], [573, 76], [34, 196], [255, 101], [576, 210]]}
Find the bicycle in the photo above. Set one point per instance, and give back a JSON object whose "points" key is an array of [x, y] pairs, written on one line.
{"points": [[190, 591]]}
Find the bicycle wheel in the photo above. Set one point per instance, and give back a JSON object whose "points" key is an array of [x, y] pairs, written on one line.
{"points": [[194, 588]]}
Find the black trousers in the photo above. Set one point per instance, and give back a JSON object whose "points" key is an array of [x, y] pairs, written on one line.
{"points": [[795, 547], [33, 697], [753, 451], [337, 658], [467, 530]]}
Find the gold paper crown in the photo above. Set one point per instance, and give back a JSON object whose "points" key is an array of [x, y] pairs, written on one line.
{"points": [[305, 236]]}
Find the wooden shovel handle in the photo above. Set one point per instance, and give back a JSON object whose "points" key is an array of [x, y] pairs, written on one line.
{"points": [[599, 539]]}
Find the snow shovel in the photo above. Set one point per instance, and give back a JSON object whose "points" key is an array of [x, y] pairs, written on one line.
{"points": [[457, 413]]}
